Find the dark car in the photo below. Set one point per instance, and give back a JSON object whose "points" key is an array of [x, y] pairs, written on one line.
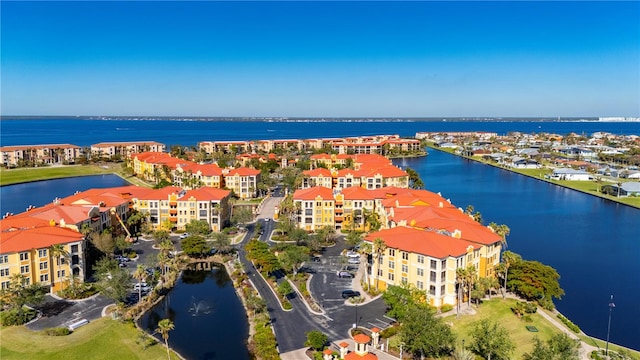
{"points": [[350, 293]]}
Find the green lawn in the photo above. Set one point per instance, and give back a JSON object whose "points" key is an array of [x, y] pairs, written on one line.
{"points": [[499, 310], [15, 176], [101, 339]]}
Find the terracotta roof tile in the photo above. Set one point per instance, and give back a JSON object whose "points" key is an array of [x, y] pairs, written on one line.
{"points": [[423, 242]]}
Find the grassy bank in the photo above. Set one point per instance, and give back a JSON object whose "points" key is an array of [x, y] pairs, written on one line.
{"points": [[23, 175], [101, 339], [587, 187]]}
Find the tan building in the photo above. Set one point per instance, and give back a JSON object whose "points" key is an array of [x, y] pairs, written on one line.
{"points": [[243, 182], [109, 150], [315, 208], [26, 249], [30, 155]]}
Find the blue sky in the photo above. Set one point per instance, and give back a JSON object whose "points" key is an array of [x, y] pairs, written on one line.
{"points": [[321, 59]]}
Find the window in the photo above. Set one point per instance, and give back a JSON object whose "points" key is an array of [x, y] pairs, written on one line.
{"points": [[420, 272], [24, 269], [74, 248], [44, 278], [379, 272], [5, 285], [24, 256], [203, 213], [4, 272], [434, 264], [61, 273], [442, 290], [392, 265], [432, 290], [405, 268], [392, 252], [420, 259], [404, 280], [44, 265], [432, 276], [391, 277], [443, 276], [419, 284], [405, 256], [443, 264], [42, 253]]}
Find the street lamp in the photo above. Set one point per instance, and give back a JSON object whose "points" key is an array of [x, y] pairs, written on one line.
{"points": [[611, 306]]}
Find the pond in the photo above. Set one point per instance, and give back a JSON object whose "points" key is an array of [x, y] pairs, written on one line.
{"points": [[16, 198], [210, 321]]}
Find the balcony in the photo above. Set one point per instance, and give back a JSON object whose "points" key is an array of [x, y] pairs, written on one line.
{"points": [[173, 212], [173, 203], [173, 219]]}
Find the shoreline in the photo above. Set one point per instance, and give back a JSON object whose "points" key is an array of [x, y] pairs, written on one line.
{"points": [[598, 195]]}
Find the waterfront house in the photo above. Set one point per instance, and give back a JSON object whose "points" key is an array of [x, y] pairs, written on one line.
{"points": [[622, 190], [570, 174], [523, 163]]}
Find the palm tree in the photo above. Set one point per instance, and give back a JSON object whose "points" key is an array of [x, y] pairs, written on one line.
{"points": [[508, 258], [140, 274], [461, 274], [470, 280], [164, 326], [57, 251], [365, 249], [379, 248]]}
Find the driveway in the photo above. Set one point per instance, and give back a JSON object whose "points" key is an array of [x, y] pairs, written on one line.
{"points": [[62, 313]]}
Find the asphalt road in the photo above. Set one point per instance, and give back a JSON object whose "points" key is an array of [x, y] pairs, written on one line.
{"points": [[62, 313]]}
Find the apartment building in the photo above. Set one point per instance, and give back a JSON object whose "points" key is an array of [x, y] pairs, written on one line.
{"points": [[317, 177], [41, 251], [425, 260], [49, 154], [315, 208], [109, 150], [243, 182], [191, 176]]}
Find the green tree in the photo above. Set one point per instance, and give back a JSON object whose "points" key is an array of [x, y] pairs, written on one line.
{"points": [[113, 281], [508, 259], [284, 288], [414, 179], [293, 256], [222, 242], [425, 334], [104, 242], [502, 230], [242, 215], [491, 341], [353, 238], [399, 298], [316, 340], [161, 235], [141, 275], [379, 247], [559, 347], [20, 294], [533, 280], [198, 227], [164, 327], [195, 246], [57, 252]]}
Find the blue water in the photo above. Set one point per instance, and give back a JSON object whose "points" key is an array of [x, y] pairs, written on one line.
{"points": [[593, 243], [189, 133], [16, 198], [210, 321]]}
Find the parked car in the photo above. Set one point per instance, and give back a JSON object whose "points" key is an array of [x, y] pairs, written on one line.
{"points": [[184, 236], [353, 261], [350, 293], [344, 274], [141, 286], [352, 254]]}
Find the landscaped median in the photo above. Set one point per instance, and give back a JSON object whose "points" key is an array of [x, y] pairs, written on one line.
{"points": [[100, 339]]}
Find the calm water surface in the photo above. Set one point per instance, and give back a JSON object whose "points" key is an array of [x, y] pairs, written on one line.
{"points": [[16, 198], [210, 321], [593, 243]]}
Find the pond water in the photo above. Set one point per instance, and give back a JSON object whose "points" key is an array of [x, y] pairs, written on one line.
{"points": [[210, 321], [16, 198]]}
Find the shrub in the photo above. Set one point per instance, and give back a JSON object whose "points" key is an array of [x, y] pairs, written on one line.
{"points": [[57, 331], [14, 317], [389, 332], [446, 308], [527, 318], [286, 305], [530, 308], [569, 324]]}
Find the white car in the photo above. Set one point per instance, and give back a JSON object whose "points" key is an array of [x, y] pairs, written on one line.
{"points": [[353, 261], [141, 286], [184, 236], [351, 254]]}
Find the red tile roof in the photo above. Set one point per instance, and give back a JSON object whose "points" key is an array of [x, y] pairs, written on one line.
{"points": [[423, 242], [361, 338], [313, 193], [206, 194], [357, 193], [317, 172], [243, 171], [38, 237]]}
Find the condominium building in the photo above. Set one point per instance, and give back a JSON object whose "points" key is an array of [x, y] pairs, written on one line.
{"points": [[315, 208], [40, 251], [123, 150], [243, 182], [49, 154]]}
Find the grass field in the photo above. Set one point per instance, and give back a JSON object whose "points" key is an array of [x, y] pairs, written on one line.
{"points": [[21, 175], [499, 310], [101, 339]]}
